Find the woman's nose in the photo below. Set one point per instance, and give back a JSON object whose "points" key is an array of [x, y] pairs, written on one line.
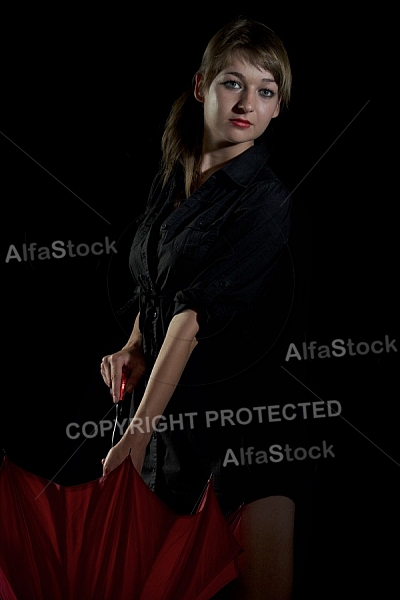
{"points": [[246, 103]]}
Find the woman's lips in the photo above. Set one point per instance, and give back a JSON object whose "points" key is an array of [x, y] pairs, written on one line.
{"points": [[241, 123]]}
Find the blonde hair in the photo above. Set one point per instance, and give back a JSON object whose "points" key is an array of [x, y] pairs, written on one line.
{"points": [[181, 142]]}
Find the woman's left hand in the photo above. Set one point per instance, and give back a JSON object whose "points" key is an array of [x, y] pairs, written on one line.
{"points": [[119, 452], [114, 458]]}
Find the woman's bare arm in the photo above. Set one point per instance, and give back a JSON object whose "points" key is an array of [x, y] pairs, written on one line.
{"points": [[179, 343], [131, 357]]}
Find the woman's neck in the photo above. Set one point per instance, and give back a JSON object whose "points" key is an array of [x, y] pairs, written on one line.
{"points": [[215, 159]]}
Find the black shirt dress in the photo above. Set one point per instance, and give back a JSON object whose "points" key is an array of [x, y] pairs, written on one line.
{"points": [[224, 252]]}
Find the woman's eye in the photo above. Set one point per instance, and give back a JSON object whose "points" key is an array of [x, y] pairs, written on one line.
{"points": [[231, 84], [267, 93]]}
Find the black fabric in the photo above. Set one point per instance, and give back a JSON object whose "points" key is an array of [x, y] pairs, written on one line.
{"points": [[225, 252]]}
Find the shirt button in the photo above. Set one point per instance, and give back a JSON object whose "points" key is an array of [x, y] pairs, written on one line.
{"points": [[163, 226], [155, 314]]}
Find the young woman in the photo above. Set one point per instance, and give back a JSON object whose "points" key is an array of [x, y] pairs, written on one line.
{"points": [[205, 261]]}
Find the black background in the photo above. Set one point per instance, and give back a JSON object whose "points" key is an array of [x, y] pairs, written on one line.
{"points": [[84, 100]]}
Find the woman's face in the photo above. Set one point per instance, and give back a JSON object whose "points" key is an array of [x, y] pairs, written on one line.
{"points": [[238, 106]]}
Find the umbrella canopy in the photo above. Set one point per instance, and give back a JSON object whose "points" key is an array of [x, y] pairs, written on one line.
{"points": [[111, 538], [6, 592]]}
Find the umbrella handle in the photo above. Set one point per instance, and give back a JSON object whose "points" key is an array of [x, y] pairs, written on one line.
{"points": [[118, 407], [124, 379]]}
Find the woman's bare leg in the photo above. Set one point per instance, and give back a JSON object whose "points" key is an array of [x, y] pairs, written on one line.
{"points": [[266, 536]]}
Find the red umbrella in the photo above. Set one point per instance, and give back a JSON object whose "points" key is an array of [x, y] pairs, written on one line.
{"points": [[6, 592], [109, 539]]}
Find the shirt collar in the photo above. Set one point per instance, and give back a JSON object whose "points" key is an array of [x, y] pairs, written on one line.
{"points": [[245, 167]]}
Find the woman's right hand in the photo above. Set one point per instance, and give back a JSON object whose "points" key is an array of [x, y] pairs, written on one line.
{"points": [[132, 360]]}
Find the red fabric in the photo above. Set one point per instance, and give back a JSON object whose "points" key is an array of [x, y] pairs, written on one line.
{"points": [[6, 592], [109, 539]]}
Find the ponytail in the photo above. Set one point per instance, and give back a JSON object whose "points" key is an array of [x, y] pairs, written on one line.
{"points": [[182, 139]]}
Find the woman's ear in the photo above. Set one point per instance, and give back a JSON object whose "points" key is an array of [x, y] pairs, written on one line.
{"points": [[277, 110], [198, 87]]}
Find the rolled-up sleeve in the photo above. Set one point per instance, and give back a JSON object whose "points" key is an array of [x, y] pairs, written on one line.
{"points": [[239, 264]]}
